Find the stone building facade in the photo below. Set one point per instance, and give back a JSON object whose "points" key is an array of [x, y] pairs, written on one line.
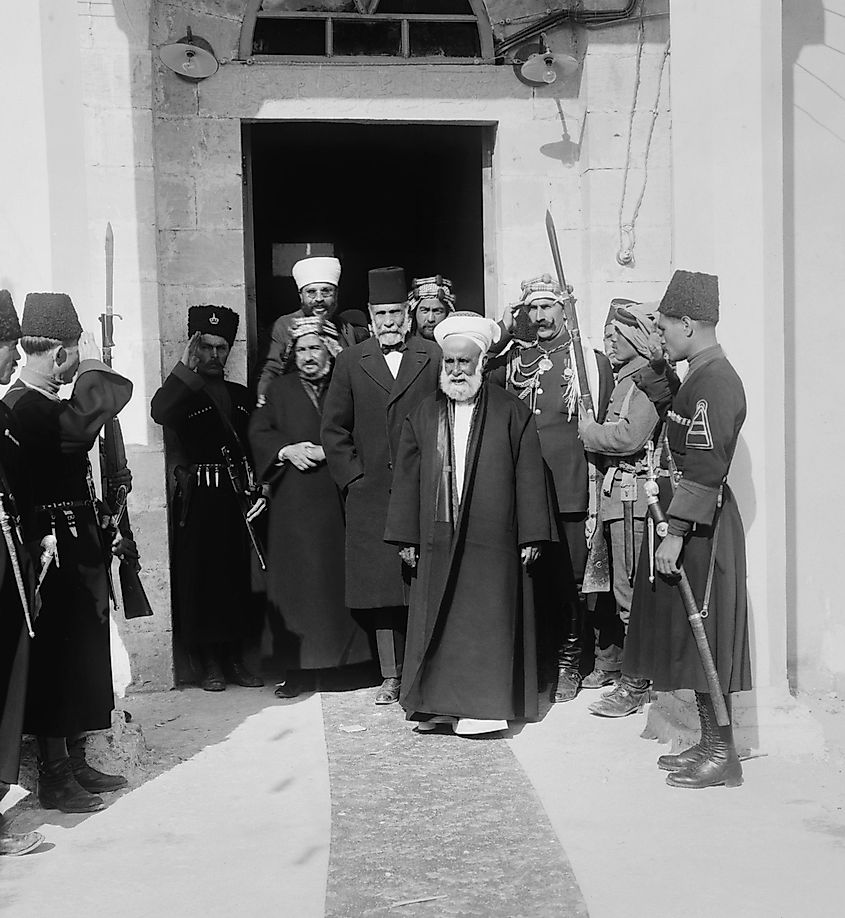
{"points": [[105, 132]]}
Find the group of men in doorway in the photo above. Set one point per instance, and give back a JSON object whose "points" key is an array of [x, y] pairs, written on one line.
{"points": [[442, 493], [440, 500]]}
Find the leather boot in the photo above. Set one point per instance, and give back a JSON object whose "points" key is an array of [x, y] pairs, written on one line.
{"points": [[95, 782], [213, 680], [239, 674], [720, 766], [59, 790], [568, 682], [695, 753], [14, 845], [567, 685], [627, 698]]}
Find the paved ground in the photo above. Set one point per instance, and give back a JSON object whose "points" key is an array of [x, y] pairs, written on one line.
{"points": [[231, 813]]}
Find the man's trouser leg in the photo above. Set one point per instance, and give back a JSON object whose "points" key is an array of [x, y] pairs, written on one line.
{"points": [[571, 529], [389, 625]]}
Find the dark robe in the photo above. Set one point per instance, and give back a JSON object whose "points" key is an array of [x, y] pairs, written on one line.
{"points": [[14, 639], [306, 533], [701, 433], [471, 649], [362, 422], [211, 564], [70, 677]]}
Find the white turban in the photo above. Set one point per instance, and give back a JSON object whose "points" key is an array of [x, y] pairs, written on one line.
{"points": [[478, 329], [320, 269]]}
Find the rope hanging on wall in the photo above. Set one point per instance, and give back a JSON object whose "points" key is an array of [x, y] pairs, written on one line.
{"points": [[627, 229]]}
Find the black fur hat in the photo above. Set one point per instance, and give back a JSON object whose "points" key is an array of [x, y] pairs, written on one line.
{"points": [[692, 294], [10, 328], [50, 315], [213, 320]]}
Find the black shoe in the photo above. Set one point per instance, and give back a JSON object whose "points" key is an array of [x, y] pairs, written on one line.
{"points": [[92, 780], [290, 688], [213, 680], [599, 678], [389, 691], [240, 675], [627, 698], [568, 685], [59, 790]]}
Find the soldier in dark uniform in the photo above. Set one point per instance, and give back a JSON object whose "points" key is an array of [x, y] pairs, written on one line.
{"points": [[705, 534], [211, 563], [544, 376], [14, 561], [70, 679], [374, 387]]}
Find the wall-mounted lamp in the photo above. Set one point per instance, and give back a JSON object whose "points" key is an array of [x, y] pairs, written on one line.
{"points": [[191, 58], [536, 65]]}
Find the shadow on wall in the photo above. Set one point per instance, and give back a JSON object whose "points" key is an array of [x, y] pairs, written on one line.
{"points": [[803, 25]]}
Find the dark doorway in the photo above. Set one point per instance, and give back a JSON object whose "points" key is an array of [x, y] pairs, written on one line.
{"points": [[373, 195]]}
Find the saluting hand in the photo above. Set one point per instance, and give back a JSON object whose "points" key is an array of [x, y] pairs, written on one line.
{"points": [[88, 347], [189, 356]]}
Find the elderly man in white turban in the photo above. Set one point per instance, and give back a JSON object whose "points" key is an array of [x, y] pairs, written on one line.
{"points": [[469, 510], [316, 279]]}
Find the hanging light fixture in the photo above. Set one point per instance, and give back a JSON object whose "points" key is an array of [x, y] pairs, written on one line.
{"points": [[191, 58], [537, 65]]}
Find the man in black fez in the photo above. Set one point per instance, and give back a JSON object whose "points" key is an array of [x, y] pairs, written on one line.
{"points": [[705, 534], [374, 386], [211, 563], [70, 678], [15, 559]]}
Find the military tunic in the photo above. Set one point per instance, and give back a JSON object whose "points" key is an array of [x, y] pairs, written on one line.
{"points": [[70, 679], [702, 432], [211, 565]]}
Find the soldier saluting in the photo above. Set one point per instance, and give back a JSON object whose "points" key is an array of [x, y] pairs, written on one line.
{"points": [[210, 416], [705, 534], [70, 679]]}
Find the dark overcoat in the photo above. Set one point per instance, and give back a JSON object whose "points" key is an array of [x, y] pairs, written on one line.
{"points": [[305, 534], [211, 564], [70, 677], [362, 421], [701, 432], [471, 647], [14, 639]]}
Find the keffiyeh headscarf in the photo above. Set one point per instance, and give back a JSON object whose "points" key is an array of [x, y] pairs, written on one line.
{"points": [[312, 325], [431, 288], [636, 323]]}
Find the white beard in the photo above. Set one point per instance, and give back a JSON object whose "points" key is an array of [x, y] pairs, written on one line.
{"points": [[464, 390]]}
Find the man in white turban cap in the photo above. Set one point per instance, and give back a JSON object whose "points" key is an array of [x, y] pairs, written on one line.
{"points": [[469, 510]]}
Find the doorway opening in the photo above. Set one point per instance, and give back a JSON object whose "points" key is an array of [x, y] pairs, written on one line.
{"points": [[373, 195]]}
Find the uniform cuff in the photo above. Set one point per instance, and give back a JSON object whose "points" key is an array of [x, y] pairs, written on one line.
{"points": [[694, 502], [183, 374]]}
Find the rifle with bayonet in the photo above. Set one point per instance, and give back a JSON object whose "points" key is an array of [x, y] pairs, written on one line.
{"points": [[597, 573], [113, 463]]}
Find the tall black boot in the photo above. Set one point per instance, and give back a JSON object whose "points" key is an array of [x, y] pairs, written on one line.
{"points": [[57, 787], [696, 753], [95, 782], [237, 671], [213, 679], [720, 766], [569, 657]]}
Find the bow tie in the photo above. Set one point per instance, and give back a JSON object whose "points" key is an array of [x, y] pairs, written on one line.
{"points": [[393, 348]]}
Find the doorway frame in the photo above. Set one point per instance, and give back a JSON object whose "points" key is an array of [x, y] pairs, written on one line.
{"points": [[489, 212]]}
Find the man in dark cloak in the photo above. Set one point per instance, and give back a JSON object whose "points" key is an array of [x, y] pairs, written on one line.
{"points": [[305, 532], [70, 679], [469, 509], [374, 386], [705, 534], [211, 563], [15, 562]]}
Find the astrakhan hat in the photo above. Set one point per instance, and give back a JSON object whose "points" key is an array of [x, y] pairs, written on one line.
{"points": [[692, 294], [10, 328], [387, 286], [319, 269], [50, 315], [213, 320]]}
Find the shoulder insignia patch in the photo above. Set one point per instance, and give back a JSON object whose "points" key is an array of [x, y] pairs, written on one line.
{"points": [[699, 435]]}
